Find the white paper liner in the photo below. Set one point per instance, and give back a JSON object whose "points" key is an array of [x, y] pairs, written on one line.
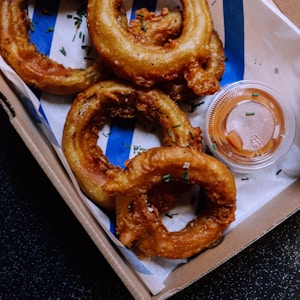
{"points": [[272, 46]]}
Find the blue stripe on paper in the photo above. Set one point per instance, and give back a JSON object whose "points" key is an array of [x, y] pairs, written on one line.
{"points": [[43, 19], [119, 141], [121, 130], [135, 262], [234, 41]]}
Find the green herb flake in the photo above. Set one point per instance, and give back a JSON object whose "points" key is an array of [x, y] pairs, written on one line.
{"points": [[78, 19], [77, 22], [176, 126], [167, 178], [186, 176], [193, 106], [214, 146], [191, 135], [255, 94], [138, 149], [50, 29], [143, 25], [127, 146], [63, 51], [171, 215], [250, 113], [169, 133], [31, 26], [106, 134], [278, 172]]}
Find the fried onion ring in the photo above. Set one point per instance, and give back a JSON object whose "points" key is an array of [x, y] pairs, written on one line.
{"points": [[202, 78], [32, 66], [92, 109], [138, 222], [145, 63]]}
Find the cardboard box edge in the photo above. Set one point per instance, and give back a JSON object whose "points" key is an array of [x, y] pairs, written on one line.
{"points": [[54, 170]]}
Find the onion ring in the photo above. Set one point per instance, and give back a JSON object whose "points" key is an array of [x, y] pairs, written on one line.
{"points": [[147, 64], [138, 222], [91, 110], [202, 77], [35, 68]]}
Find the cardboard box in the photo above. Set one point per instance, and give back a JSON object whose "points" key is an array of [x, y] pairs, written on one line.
{"points": [[291, 9], [282, 206]]}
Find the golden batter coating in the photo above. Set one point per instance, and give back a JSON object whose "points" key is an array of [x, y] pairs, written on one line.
{"points": [[35, 68], [145, 63], [138, 221], [93, 108], [159, 29]]}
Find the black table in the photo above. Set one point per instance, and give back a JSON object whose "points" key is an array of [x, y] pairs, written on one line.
{"points": [[46, 254]]}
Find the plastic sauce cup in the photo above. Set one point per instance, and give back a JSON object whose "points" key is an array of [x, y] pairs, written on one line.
{"points": [[249, 126]]}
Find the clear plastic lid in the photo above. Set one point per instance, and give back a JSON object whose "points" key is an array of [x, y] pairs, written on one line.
{"points": [[249, 126]]}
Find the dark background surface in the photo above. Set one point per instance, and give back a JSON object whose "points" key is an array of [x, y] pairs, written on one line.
{"points": [[46, 254]]}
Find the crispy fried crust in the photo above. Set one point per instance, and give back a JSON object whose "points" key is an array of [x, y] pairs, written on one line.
{"points": [[202, 77], [138, 221], [159, 29], [146, 63], [92, 109], [33, 67]]}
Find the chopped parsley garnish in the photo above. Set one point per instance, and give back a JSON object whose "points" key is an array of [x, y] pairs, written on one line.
{"points": [[106, 134], [169, 133], [50, 29], [175, 126], [138, 149], [78, 19], [63, 51], [167, 178], [193, 106], [186, 176], [171, 215], [250, 113], [126, 145], [31, 26], [143, 25]]}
